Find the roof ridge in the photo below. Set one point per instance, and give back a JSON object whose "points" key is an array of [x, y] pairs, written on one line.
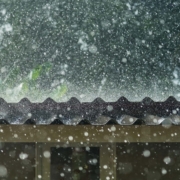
{"points": [[97, 99], [97, 112]]}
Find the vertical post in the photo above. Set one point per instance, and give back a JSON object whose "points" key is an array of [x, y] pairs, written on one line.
{"points": [[43, 157], [46, 161], [108, 161], [114, 160], [38, 161]]}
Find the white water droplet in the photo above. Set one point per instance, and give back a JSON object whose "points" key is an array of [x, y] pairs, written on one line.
{"points": [[124, 60], [146, 153], [131, 120], [87, 148], [94, 161], [109, 108], [80, 168], [86, 134], [3, 171], [29, 115], [62, 174], [113, 128], [23, 156], [136, 12], [167, 160], [93, 49], [70, 138], [164, 171], [39, 176], [47, 154]]}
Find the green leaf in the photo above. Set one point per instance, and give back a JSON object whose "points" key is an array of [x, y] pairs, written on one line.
{"points": [[39, 70], [47, 66], [59, 91], [36, 72], [25, 87]]}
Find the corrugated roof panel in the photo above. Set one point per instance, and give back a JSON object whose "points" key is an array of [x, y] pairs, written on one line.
{"points": [[98, 112]]}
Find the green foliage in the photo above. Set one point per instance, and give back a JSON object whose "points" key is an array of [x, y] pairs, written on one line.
{"points": [[36, 73], [49, 34], [25, 88], [40, 70], [28, 84], [59, 91]]}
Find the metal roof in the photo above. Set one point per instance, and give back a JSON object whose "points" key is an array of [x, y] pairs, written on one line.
{"points": [[98, 112]]}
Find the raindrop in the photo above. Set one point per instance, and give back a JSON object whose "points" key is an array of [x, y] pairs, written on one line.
{"points": [[131, 120], [62, 174], [87, 148], [86, 134], [109, 108], [113, 128], [164, 171], [70, 138], [3, 171], [146, 153], [47, 154], [23, 156], [39, 176], [124, 60], [94, 161], [167, 160], [92, 49], [80, 168], [136, 12]]}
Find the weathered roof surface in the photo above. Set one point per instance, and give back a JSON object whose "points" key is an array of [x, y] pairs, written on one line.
{"points": [[98, 112]]}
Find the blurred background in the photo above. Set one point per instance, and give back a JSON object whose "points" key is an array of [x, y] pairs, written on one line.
{"points": [[89, 49]]}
